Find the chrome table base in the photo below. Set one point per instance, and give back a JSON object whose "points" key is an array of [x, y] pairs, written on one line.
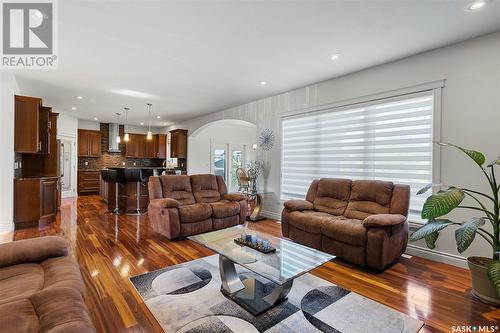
{"points": [[251, 294]]}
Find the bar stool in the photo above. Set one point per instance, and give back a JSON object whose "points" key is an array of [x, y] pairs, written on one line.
{"points": [[111, 177], [135, 176]]}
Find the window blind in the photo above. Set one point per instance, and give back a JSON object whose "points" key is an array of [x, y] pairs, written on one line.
{"points": [[389, 139]]}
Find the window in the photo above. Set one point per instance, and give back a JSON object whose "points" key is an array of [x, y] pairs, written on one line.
{"points": [[388, 139]]}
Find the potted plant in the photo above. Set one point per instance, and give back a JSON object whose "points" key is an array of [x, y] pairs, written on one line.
{"points": [[485, 272]]}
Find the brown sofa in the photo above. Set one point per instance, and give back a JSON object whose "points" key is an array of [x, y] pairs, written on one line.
{"points": [[181, 206], [361, 221], [41, 288]]}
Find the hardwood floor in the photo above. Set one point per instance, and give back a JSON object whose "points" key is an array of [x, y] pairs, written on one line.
{"points": [[111, 248]]}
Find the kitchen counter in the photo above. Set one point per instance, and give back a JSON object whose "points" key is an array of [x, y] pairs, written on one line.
{"points": [[137, 167]]}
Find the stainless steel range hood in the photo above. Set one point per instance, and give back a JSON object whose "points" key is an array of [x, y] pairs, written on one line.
{"points": [[114, 130]]}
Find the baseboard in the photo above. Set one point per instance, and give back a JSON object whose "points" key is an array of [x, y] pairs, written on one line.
{"points": [[271, 215], [438, 256]]}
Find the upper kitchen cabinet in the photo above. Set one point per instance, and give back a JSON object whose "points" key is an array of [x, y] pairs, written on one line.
{"points": [[178, 143], [139, 146], [135, 147], [31, 125], [89, 143], [161, 146]]}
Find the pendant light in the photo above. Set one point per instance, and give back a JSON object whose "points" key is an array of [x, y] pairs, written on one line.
{"points": [[126, 137], [150, 134], [118, 139]]}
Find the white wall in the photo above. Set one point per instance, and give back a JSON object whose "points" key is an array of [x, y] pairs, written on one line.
{"points": [[88, 125], [67, 128], [95, 126], [8, 88], [470, 115], [201, 143]]}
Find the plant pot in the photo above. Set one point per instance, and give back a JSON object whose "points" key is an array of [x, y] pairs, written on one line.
{"points": [[482, 287]]}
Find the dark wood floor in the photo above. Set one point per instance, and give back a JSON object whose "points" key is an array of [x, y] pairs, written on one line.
{"points": [[109, 249]]}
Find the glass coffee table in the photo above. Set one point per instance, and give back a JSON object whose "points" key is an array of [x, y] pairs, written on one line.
{"points": [[278, 269]]}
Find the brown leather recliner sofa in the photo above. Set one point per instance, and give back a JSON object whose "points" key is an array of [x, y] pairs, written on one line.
{"points": [[361, 221], [181, 206], [41, 288]]}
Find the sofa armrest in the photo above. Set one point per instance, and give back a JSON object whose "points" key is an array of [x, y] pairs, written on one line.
{"points": [[299, 205], [164, 203], [233, 196], [34, 250], [384, 220]]}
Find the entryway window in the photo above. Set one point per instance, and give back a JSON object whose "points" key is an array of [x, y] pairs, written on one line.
{"points": [[388, 139], [226, 168]]}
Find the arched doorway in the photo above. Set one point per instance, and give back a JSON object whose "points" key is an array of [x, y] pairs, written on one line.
{"points": [[220, 147]]}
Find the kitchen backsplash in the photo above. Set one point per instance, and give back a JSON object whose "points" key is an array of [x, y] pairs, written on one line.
{"points": [[113, 159]]}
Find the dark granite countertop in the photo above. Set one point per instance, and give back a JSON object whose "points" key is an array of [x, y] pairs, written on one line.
{"points": [[137, 167]]}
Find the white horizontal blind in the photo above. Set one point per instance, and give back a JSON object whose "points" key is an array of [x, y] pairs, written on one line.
{"points": [[389, 139]]}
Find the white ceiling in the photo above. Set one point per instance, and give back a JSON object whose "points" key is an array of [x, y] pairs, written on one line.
{"points": [[193, 57]]}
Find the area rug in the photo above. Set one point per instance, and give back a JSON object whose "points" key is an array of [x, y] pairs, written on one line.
{"points": [[187, 298]]}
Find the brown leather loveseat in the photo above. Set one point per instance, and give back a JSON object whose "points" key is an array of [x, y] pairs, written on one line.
{"points": [[361, 221], [41, 288], [181, 206]]}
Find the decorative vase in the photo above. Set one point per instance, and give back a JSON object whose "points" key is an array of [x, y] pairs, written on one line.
{"points": [[482, 288], [254, 186]]}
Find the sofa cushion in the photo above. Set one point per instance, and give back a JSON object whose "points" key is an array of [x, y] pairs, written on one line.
{"points": [[194, 228], [178, 188], [369, 197], [309, 220], [205, 188], [221, 209], [56, 310], [225, 222], [350, 231], [332, 195], [298, 205], [21, 281], [195, 212]]}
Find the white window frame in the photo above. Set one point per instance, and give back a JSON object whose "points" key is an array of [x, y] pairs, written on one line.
{"points": [[434, 86]]}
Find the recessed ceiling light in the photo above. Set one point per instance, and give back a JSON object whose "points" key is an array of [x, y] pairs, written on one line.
{"points": [[73, 108], [79, 97], [142, 124], [262, 83], [477, 5], [335, 56], [158, 117], [95, 118]]}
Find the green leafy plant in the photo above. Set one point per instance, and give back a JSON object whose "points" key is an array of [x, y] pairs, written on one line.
{"points": [[449, 198]]}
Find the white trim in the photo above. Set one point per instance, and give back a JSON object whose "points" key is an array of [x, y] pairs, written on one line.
{"points": [[433, 85], [436, 122], [271, 215], [438, 256]]}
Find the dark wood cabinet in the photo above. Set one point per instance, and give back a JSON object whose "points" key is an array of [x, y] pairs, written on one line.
{"points": [[89, 181], [151, 147], [37, 192], [132, 147], [35, 200], [31, 125], [49, 197], [162, 146], [89, 143], [178, 143], [139, 146]]}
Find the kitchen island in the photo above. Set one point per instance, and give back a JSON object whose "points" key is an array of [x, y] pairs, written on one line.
{"points": [[127, 190]]}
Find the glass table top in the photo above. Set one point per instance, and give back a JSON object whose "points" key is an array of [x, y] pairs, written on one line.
{"points": [[288, 262]]}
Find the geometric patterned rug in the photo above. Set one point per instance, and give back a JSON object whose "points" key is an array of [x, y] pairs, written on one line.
{"points": [[187, 298]]}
